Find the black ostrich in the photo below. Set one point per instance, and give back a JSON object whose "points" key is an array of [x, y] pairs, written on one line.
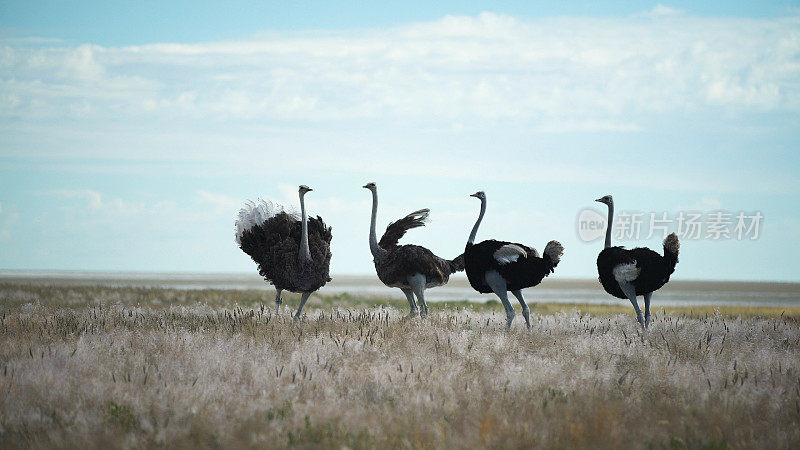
{"points": [[411, 268], [499, 267], [293, 253], [627, 273]]}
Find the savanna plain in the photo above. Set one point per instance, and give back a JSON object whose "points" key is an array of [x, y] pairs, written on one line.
{"points": [[94, 366]]}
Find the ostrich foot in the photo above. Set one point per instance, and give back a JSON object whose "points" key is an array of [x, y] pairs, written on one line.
{"points": [[640, 319], [509, 319], [424, 311], [411, 315], [647, 321], [278, 307], [526, 313]]}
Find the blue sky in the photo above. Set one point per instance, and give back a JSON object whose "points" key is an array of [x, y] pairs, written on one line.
{"points": [[146, 22], [131, 132]]}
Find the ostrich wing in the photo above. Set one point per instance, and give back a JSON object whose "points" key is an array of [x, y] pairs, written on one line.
{"points": [[626, 272], [509, 253], [397, 230], [531, 251], [317, 225]]}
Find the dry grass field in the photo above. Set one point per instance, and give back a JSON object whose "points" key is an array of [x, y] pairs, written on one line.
{"points": [[137, 367]]}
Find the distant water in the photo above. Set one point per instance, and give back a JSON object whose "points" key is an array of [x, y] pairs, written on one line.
{"points": [[554, 290]]}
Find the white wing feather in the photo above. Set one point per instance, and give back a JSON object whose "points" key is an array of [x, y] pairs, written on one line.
{"points": [[625, 273], [509, 253]]}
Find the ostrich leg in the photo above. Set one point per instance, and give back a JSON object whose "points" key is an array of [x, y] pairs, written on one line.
{"points": [[630, 292], [411, 302], [303, 300], [500, 288], [278, 301], [647, 309], [526, 312], [417, 282]]}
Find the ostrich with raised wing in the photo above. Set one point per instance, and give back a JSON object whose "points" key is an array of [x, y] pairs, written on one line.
{"points": [[412, 268]]}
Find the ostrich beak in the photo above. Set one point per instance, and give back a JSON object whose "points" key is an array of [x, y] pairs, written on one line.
{"points": [[473, 195], [365, 186], [599, 200], [309, 190]]}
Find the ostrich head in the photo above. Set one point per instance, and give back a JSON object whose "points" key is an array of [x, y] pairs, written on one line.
{"points": [[607, 199], [303, 189], [371, 186], [480, 195]]}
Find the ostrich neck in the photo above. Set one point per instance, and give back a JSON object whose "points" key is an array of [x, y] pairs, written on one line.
{"points": [[477, 223], [610, 222], [305, 252], [376, 250]]}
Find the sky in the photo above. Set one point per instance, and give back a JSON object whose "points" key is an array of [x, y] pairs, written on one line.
{"points": [[132, 132]]}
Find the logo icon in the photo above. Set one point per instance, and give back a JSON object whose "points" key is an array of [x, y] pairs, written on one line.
{"points": [[591, 225]]}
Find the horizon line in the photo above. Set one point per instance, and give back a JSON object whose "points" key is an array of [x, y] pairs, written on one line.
{"points": [[40, 273]]}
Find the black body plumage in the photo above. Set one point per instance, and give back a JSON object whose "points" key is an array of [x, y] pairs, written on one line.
{"points": [[501, 266], [654, 269], [627, 274], [274, 245], [526, 271]]}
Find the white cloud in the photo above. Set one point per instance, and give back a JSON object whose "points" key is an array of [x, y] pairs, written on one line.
{"points": [[404, 101], [82, 65], [114, 207], [220, 202], [598, 73], [703, 204], [663, 11], [93, 199]]}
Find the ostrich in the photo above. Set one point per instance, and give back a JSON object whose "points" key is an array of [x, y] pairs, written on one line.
{"points": [[411, 268], [499, 267], [640, 271], [293, 253]]}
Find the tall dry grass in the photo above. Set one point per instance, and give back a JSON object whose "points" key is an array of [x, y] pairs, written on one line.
{"points": [[205, 375]]}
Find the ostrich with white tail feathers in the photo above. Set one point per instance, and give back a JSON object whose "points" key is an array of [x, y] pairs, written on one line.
{"points": [[293, 253]]}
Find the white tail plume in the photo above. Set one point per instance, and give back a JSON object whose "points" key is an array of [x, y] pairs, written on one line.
{"points": [[253, 214]]}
